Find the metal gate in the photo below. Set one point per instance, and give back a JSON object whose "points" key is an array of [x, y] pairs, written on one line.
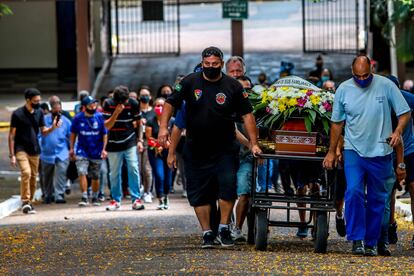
{"points": [[334, 26], [148, 27]]}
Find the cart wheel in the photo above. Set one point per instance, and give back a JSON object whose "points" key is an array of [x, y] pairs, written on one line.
{"points": [[321, 232], [260, 229], [250, 225]]}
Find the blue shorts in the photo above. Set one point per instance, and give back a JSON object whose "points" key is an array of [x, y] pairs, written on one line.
{"points": [[244, 176]]}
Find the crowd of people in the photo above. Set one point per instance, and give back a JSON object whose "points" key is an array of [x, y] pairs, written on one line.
{"points": [[201, 133]]}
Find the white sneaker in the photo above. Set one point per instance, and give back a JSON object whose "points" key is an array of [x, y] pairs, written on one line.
{"points": [[237, 235], [147, 198]]}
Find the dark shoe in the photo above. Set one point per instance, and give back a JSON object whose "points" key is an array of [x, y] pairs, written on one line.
{"points": [[302, 232], [383, 249], [358, 248], [95, 202], [224, 237], [392, 233], [340, 226], [166, 203], [26, 208], [83, 202], [412, 241], [371, 251], [68, 191], [60, 199], [47, 200], [208, 240]]}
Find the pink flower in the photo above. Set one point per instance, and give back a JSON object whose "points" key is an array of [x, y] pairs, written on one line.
{"points": [[327, 106], [268, 109], [309, 93], [301, 102]]}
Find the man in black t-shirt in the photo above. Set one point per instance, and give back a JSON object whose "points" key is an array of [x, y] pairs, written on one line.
{"points": [[24, 148], [122, 115], [213, 101]]}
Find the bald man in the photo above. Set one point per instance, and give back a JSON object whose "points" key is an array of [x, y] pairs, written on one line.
{"points": [[363, 103]]}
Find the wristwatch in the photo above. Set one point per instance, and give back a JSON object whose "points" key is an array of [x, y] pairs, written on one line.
{"points": [[401, 166]]}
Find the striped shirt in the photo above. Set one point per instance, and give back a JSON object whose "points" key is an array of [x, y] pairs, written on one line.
{"points": [[122, 134]]}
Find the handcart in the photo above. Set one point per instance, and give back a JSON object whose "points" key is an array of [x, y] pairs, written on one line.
{"points": [[261, 203]]}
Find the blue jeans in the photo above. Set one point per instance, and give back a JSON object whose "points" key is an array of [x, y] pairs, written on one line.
{"points": [[116, 160], [161, 172], [363, 221], [244, 176], [273, 175], [104, 177]]}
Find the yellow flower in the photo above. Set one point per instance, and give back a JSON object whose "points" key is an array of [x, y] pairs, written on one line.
{"points": [[303, 91], [292, 102], [282, 107], [315, 99], [283, 100], [264, 97], [285, 88]]}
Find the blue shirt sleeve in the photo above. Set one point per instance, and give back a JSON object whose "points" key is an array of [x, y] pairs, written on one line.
{"points": [[396, 99], [180, 118], [74, 127], [338, 113]]}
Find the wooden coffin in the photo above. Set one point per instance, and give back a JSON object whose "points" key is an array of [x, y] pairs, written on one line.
{"points": [[294, 142]]}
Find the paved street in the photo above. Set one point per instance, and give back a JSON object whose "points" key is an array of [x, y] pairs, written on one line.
{"points": [[66, 239]]}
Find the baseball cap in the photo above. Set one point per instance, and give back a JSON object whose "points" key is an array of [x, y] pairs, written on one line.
{"points": [[88, 100]]}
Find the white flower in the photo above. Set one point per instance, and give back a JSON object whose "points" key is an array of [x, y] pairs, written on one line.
{"points": [[308, 104], [258, 89], [322, 109]]}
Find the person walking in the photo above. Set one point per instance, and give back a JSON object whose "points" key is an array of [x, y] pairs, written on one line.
{"points": [[121, 116], [211, 154], [363, 103], [24, 148], [55, 156], [158, 157], [89, 129]]}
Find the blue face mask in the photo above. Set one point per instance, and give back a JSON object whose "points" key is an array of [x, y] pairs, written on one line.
{"points": [[324, 78], [364, 83]]}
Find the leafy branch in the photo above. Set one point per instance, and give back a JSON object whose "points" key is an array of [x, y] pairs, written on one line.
{"points": [[5, 10]]}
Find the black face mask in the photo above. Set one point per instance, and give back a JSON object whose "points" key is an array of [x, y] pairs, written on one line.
{"points": [[144, 99], [35, 106], [212, 72], [90, 111]]}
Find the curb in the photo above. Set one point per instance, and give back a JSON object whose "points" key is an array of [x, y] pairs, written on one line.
{"points": [[14, 203]]}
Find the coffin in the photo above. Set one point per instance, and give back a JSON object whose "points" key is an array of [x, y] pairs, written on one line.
{"points": [[294, 142]]}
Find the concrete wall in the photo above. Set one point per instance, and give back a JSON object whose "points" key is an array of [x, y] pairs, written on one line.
{"points": [[28, 38]]}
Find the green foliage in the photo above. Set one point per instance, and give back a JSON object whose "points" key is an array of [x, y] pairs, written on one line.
{"points": [[5, 10], [402, 19]]}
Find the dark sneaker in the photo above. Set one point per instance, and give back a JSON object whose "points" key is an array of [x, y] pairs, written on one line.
{"points": [[358, 248], [302, 232], [340, 226], [26, 208], [383, 249], [392, 233], [208, 240], [101, 197], [32, 210], [224, 237], [60, 199], [412, 241], [137, 205], [83, 202], [371, 251], [166, 203], [96, 202]]}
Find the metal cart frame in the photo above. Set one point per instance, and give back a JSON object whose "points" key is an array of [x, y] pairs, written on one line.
{"points": [[261, 203]]}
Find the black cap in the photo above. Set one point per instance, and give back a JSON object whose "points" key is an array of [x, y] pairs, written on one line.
{"points": [[212, 51]]}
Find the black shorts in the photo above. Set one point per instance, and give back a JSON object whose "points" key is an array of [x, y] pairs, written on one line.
{"points": [[338, 178], [210, 180]]}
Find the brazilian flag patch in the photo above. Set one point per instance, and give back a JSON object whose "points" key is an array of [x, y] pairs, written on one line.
{"points": [[178, 87]]}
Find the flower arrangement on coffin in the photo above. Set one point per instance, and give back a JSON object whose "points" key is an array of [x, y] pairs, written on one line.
{"points": [[292, 97]]}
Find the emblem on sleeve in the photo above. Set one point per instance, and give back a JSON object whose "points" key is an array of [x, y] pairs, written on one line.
{"points": [[178, 87], [197, 94], [245, 94], [220, 98]]}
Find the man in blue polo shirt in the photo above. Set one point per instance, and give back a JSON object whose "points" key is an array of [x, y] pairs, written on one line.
{"points": [[363, 103]]}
